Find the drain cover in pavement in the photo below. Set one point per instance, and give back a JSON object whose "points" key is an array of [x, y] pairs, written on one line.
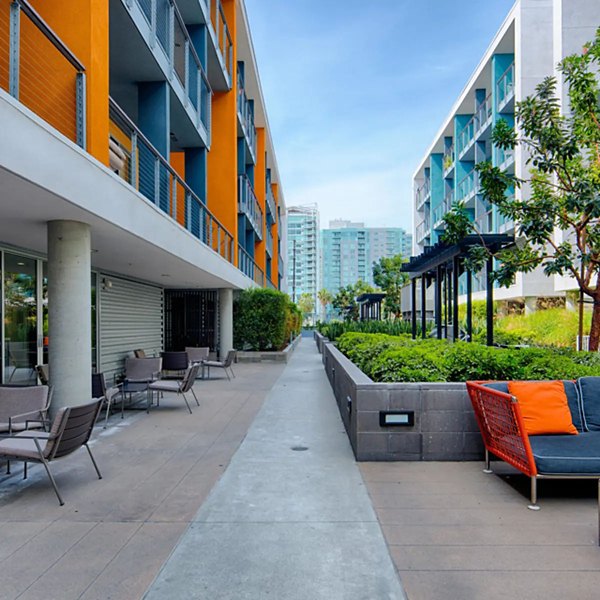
{"points": [[299, 448]]}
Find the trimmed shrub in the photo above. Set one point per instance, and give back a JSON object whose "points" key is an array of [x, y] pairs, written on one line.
{"points": [[335, 329], [387, 358], [264, 319]]}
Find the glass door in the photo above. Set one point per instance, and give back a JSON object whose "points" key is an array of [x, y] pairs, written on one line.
{"points": [[20, 319]]}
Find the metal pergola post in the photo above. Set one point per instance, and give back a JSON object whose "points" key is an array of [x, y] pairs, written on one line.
{"points": [[423, 306], [489, 302], [438, 302], [455, 276], [413, 297]]}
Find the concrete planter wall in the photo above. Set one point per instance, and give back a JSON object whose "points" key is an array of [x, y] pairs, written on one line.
{"points": [[319, 340], [444, 424], [267, 355]]}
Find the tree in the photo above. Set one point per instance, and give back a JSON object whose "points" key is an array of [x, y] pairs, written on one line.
{"points": [[345, 300], [325, 298], [388, 275], [306, 304], [558, 225]]}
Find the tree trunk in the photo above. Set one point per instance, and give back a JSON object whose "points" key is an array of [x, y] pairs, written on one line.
{"points": [[595, 329]]}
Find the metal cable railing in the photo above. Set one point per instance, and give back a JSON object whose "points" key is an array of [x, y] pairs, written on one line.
{"points": [[249, 206], [221, 29], [247, 266], [40, 71], [138, 162], [246, 114], [168, 27]]}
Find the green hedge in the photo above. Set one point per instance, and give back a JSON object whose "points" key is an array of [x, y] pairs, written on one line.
{"points": [[264, 319], [399, 358], [334, 329]]}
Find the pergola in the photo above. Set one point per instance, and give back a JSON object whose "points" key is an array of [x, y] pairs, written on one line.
{"points": [[370, 306], [444, 264]]}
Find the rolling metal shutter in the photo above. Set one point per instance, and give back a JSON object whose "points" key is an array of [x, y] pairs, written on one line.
{"points": [[130, 317]]}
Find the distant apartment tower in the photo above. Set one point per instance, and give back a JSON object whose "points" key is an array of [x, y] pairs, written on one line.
{"points": [[350, 249], [303, 251], [534, 37]]}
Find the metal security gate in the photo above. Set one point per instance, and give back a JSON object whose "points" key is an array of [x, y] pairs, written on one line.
{"points": [[130, 317], [191, 319]]}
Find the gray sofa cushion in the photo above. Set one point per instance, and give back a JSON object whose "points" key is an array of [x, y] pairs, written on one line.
{"points": [[589, 390], [566, 454]]}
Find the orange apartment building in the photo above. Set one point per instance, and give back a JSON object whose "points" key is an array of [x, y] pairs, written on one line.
{"points": [[139, 186]]}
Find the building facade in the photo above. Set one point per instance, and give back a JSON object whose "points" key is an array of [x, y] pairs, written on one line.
{"points": [[303, 252], [350, 249], [534, 37], [138, 182]]}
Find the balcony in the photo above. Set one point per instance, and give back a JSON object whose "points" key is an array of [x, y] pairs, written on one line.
{"points": [[40, 71], [423, 194], [441, 210], [466, 138], [271, 205], [269, 242], [160, 22], [448, 160], [247, 266], [246, 117], [222, 37], [504, 159], [505, 90], [248, 205], [483, 222], [467, 187], [136, 161], [483, 117], [423, 231]]}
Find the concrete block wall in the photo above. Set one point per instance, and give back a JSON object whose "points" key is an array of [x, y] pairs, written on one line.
{"points": [[444, 428]]}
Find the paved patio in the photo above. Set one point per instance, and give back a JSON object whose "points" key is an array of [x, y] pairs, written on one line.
{"points": [[217, 505]]}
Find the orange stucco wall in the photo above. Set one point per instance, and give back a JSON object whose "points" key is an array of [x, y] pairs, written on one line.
{"points": [[275, 230], [260, 189], [177, 160], [222, 158], [83, 27]]}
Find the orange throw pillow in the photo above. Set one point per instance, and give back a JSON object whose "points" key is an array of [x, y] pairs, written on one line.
{"points": [[544, 406]]}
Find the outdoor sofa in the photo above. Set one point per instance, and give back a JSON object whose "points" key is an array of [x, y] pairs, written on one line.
{"points": [[504, 429]]}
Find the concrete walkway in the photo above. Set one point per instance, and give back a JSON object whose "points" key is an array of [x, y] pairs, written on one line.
{"points": [[290, 518]]}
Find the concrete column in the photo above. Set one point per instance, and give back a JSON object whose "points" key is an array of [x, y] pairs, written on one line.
{"points": [[226, 319], [69, 312]]}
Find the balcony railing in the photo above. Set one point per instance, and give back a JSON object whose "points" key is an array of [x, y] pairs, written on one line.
{"points": [[484, 114], [224, 41], [423, 230], [467, 186], [504, 158], [483, 222], [249, 206], [442, 209], [138, 162], [38, 69], [247, 266], [271, 206], [506, 87], [423, 194], [269, 242], [466, 136], [246, 114], [448, 160], [168, 28]]}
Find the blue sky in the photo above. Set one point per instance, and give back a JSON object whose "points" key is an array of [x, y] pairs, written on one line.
{"points": [[356, 89]]}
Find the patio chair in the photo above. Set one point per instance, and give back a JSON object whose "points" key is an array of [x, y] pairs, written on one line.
{"points": [[99, 390], [20, 405], [197, 354], [71, 429], [175, 361], [179, 386], [138, 370], [43, 374], [222, 364]]}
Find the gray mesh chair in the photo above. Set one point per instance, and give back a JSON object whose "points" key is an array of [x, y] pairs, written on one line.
{"points": [[23, 407], [182, 386], [222, 364], [71, 429], [197, 354]]}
